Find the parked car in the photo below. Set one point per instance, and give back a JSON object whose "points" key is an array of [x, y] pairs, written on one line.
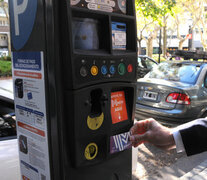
{"points": [[4, 53], [9, 154], [145, 64], [173, 93]]}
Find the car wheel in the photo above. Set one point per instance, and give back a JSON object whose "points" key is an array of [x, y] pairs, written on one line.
{"points": [[204, 115]]}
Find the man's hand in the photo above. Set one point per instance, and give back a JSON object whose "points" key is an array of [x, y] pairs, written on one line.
{"points": [[152, 132]]}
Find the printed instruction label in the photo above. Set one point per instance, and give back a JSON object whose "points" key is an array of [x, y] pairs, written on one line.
{"points": [[118, 36], [118, 107], [30, 110]]}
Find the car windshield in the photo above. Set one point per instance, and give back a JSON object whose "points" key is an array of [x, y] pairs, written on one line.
{"points": [[145, 62], [186, 73], [150, 64]]}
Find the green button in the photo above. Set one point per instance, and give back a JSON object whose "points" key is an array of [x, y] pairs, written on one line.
{"points": [[122, 69]]}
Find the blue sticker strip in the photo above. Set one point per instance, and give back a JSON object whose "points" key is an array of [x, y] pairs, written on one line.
{"points": [[29, 166], [27, 60], [30, 110], [120, 142]]}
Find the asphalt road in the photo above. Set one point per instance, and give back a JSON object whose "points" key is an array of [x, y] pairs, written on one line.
{"points": [[6, 88]]}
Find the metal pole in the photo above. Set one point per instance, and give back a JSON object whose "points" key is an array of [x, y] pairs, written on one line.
{"points": [[190, 41], [160, 38]]}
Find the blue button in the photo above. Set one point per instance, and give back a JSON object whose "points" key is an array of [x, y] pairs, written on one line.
{"points": [[112, 69], [104, 70]]}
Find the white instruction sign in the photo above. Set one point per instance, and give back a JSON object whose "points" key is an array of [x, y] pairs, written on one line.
{"points": [[30, 110]]}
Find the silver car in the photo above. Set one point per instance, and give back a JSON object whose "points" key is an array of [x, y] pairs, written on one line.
{"points": [[173, 93], [9, 154]]}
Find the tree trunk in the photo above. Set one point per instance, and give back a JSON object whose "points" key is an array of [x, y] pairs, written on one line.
{"points": [[139, 47], [205, 47], [150, 47], [9, 44], [164, 50], [181, 45]]}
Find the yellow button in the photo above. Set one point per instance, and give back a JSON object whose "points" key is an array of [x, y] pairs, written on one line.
{"points": [[94, 70]]}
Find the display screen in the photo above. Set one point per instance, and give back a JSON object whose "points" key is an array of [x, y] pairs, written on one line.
{"points": [[85, 34], [118, 107]]}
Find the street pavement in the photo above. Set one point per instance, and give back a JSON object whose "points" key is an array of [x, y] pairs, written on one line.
{"points": [[184, 166], [154, 164], [197, 173], [6, 88]]}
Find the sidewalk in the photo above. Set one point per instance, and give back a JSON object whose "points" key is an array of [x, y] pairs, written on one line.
{"points": [[197, 173], [185, 168], [193, 167]]}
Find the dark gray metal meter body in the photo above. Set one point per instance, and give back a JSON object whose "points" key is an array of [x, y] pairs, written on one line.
{"points": [[76, 61]]}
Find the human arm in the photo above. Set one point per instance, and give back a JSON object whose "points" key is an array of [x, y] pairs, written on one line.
{"points": [[190, 137], [152, 132], [194, 136]]}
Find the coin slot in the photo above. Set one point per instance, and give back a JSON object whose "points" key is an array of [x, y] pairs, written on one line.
{"points": [[96, 109]]}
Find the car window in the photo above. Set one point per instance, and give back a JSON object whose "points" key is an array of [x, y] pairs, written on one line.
{"points": [[205, 81], [150, 64], [186, 73], [140, 62]]}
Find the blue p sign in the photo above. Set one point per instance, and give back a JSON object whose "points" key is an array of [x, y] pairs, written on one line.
{"points": [[22, 18]]}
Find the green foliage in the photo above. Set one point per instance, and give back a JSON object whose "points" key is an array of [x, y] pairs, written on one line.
{"points": [[5, 68], [155, 9], [5, 58], [156, 57]]}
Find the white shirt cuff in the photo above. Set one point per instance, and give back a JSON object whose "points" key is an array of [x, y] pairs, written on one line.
{"points": [[178, 141]]}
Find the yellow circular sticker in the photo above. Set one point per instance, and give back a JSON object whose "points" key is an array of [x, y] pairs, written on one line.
{"points": [[91, 151], [96, 122]]}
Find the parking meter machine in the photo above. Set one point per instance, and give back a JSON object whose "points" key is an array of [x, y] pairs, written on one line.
{"points": [[74, 72]]}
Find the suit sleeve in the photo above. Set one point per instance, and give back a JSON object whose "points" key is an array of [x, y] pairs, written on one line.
{"points": [[194, 136]]}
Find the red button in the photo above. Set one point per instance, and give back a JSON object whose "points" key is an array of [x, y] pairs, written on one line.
{"points": [[130, 68]]}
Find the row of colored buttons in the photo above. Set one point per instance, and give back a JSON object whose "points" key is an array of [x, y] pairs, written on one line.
{"points": [[104, 70]]}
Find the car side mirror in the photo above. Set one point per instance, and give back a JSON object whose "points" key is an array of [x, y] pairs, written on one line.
{"points": [[205, 82]]}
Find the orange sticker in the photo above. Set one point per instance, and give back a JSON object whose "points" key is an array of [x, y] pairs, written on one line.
{"points": [[118, 107]]}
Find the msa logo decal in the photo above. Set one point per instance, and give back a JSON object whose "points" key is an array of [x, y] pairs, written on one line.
{"points": [[22, 18], [119, 142]]}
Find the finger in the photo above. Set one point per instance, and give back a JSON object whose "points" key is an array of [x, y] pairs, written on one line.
{"points": [[138, 138], [137, 144], [139, 127]]}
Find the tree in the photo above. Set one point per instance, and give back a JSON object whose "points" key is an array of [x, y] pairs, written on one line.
{"points": [[151, 12], [198, 13], [178, 22], [143, 24]]}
